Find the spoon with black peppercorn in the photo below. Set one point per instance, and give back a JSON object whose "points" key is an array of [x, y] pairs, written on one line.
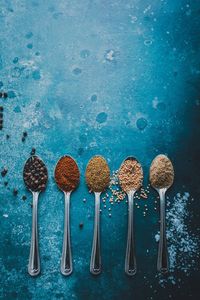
{"points": [[130, 178], [67, 177], [161, 178], [35, 176]]}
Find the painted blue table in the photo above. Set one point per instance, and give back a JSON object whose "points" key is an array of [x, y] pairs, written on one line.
{"points": [[99, 77]]}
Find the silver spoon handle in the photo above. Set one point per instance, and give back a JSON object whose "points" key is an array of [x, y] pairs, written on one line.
{"points": [[34, 258], [66, 260], [162, 262], [130, 260], [95, 262]]}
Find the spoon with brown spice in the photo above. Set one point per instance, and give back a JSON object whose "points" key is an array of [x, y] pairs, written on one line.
{"points": [[130, 178], [97, 178], [161, 178], [67, 177], [35, 178]]}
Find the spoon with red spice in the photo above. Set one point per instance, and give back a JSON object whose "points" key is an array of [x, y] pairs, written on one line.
{"points": [[67, 177]]}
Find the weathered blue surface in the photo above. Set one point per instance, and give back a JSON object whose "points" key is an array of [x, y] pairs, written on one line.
{"points": [[85, 77]]}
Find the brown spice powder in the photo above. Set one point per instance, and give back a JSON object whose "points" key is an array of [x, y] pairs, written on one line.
{"points": [[130, 175], [161, 172], [67, 174], [97, 174]]}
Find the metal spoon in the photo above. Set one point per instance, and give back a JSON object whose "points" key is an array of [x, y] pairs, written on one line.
{"points": [[66, 267], [130, 259], [162, 261], [95, 261], [35, 183]]}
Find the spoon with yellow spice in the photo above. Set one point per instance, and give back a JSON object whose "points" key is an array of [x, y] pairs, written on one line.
{"points": [[97, 178], [130, 178], [161, 178]]}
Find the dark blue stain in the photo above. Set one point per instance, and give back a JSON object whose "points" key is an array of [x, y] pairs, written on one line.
{"points": [[15, 60], [17, 109], [141, 123], [16, 72], [29, 46], [11, 94], [101, 117], [161, 106], [77, 71], [94, 98], [80, 151], [36, 75], [29, 35], [84, 53], [1, 84]]}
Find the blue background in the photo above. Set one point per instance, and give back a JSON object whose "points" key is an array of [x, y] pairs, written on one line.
{"points": [[115, 78]]}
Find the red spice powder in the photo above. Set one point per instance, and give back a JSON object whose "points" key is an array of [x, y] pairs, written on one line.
{"points": [[67, 174]]}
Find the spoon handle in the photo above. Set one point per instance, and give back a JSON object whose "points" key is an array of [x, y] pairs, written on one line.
{"points": [[162, 262], [130, 260], [95, 262], [66, 260], [34, 257]]}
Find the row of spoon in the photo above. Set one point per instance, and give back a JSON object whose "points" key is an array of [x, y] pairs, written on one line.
{"points": [[130, 186]]}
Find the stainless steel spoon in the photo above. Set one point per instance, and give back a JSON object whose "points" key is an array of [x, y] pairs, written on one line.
{"points": [[161, 178], [130, 259], [30, 177], [95, 261], [162, 261], [66, 266]]}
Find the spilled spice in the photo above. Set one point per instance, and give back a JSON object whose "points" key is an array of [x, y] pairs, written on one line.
{"points": [[161, 172], [35, 174], [97, 174], [130, 175], [67, 174]]}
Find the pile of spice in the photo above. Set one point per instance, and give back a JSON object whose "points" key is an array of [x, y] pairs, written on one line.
{"points": [[161, 172], [130, 175], [67, 174], [97, 174], [35, 174]]}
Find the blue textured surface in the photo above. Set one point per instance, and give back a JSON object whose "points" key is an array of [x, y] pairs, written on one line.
{"points": [[95, 77]]}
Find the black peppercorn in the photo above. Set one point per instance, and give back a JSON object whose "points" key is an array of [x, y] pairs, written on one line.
{"points": [[1, 108], [1, 94], [24, 197], [5, 95], [15, 192], [25, 134], [4, 172], [6, 183], [35, 179], [23, 139], [7, 136], [33, 151], [81, 225]]}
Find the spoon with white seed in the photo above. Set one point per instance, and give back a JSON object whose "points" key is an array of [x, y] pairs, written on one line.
{"points": [[130, 178], [161, 178]]}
